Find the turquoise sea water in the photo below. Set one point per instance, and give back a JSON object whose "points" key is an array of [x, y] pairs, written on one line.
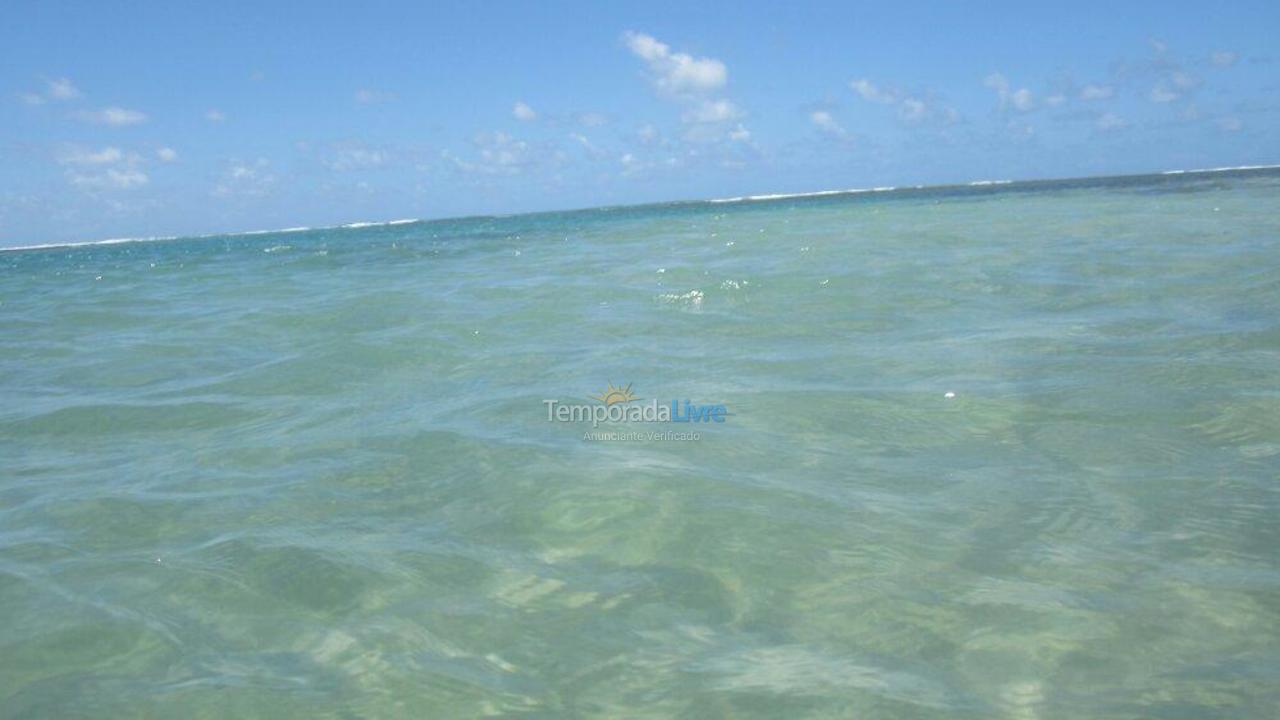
{"points": [[311, 474]]}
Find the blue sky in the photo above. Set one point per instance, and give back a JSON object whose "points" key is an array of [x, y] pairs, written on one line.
{"points": [[142, 119]]}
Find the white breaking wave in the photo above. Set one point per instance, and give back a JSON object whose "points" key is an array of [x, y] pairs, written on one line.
{"points": [[972, 183], [356, 225], [243, 233], [784, 196], [256, 232], [1221, 169], [86, 243]]}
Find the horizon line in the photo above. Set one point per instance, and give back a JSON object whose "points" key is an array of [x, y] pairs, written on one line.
{"points": [[974, 184]]}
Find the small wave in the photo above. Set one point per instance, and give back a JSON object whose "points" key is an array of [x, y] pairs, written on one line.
{"points": [[693, 298], [984, 183]]}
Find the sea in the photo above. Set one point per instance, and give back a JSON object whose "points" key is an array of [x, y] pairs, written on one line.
{"points": [[991, 450]]}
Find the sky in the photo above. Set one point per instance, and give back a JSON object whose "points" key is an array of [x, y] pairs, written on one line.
{"points": [[146, 119]]}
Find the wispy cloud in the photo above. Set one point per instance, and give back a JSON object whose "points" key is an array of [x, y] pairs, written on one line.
{"points": [[595, 152], [245, 179], [108, 168], [111, 179], [1096, 92], [353, 155], [1110, 121], [114, 116], [166, 154], [1223, 58], [55, 90], [215, 116], [61, 89], [826, 123], [712, 111], [369, 96], [912, 109], [1173, 86], [497, 153], [869, 91], [1021, 99], [1229, 124], [80, 156]]}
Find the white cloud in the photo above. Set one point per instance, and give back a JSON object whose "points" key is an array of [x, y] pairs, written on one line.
{"points": [[245, 179], [868, 90], [692, 82], [1223, 58], [648, 135], [61, 89], [125, 178], [105, 169], [347, 156], [116, 116], [368, 96], [523, 112], [712, 111], [1055, 100], [1111, 121], [80, 156], [591, 149], [674, 72], [1230, 124], [166, 154], [1096, 92], [911, 109], [57, 89], [591, 119], [1162, 94], [826, 123], [215, 116], [1021, 99], [497, 153]]}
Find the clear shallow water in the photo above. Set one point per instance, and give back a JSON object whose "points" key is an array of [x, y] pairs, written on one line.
{"points": [[310, 474]]}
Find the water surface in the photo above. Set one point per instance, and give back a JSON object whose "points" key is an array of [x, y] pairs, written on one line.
{"points": [[309, 474]]}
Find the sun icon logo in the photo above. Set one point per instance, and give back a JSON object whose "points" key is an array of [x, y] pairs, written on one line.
{"points": [[614, 395]]}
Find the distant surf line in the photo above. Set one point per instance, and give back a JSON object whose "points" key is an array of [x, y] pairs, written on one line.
{"points": [[976, 184]]}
